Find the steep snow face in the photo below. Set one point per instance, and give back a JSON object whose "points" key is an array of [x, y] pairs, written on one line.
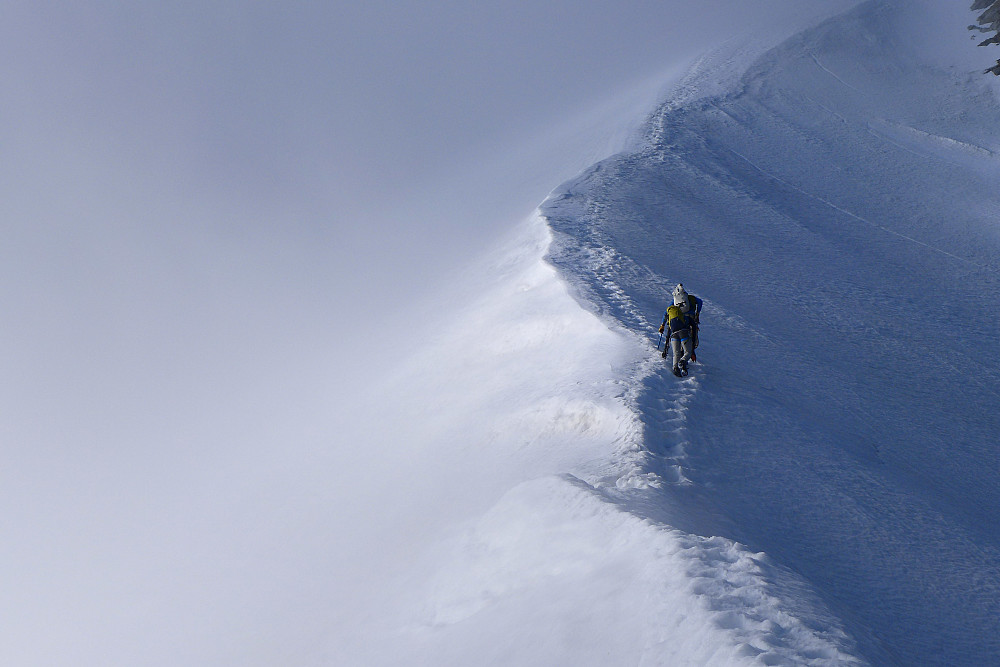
{"points": [[837, 213], [522, 424]]}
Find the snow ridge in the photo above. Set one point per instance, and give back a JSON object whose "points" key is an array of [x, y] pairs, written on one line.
{"points": [[835, 207]]}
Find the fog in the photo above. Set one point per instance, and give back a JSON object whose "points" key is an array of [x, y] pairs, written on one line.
{"points": [[219, 221], [354, 152]]}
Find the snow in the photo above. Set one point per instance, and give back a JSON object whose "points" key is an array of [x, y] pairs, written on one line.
{"points": [[530, 485], [546, 557], [822, 488], [836, 211]]}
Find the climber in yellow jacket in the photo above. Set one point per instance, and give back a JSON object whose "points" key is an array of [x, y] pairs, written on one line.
{"points": [[680, 323]]}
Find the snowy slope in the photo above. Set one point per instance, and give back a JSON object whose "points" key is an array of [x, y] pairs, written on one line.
{"points": [[522, 420], [837, 211], [822, 489]]}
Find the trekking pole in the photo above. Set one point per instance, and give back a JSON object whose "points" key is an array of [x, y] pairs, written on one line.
{"points": [[658, 341]]}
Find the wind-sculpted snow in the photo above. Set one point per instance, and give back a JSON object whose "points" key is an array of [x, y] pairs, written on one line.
{"points": [[837, 213], [691, 600], [567, 554]]}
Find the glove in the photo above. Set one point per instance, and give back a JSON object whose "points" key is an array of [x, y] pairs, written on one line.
{"points": [[661, 328]]}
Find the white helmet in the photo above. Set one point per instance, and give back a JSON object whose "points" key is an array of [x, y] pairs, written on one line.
{"points": [[680, 296]]}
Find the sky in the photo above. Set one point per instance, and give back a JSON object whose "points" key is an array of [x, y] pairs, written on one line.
{"points": [[220, 219]]}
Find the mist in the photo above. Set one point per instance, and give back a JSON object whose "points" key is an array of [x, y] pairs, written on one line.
{"points": [[221, 221]]}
